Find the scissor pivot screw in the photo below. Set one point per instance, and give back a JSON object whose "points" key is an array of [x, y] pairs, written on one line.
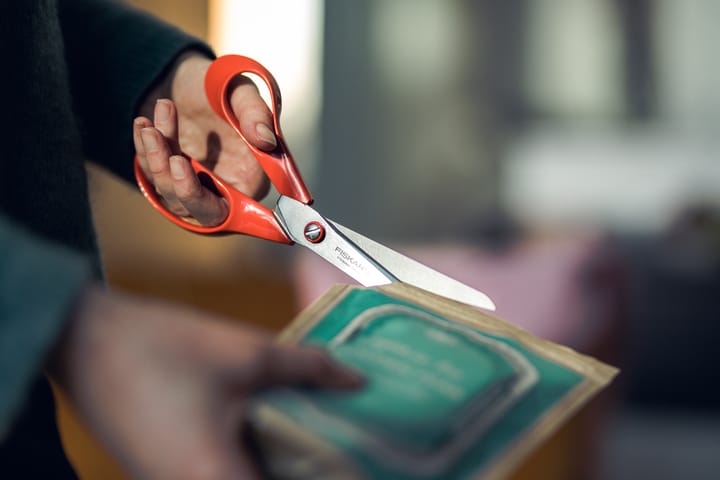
{"points": [[314, 232]]}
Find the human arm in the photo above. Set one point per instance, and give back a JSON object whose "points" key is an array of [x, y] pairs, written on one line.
{"points": [[122, 61], [116, 56], [164, 387], [39, 282]]}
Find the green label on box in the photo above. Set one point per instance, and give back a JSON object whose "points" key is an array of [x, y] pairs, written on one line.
{"points": [[442, 398]]}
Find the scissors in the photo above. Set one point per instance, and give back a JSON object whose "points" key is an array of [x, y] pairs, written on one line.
{"points": [[293, 221]]}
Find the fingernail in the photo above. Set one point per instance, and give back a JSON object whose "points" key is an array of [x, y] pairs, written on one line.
{"points": [[177, 167], [148, 138], [265, 134], [162, 110]]}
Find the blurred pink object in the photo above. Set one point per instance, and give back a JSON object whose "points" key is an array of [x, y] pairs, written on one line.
{"points": [[538, 285]]}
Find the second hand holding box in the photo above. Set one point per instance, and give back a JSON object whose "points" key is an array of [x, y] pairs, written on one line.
{"points": [[452, 392]]}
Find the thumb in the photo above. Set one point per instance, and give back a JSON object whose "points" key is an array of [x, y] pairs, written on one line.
{"points": [[295, 365], [253, 114]]}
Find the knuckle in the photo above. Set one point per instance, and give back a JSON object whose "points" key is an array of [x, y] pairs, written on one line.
{"points": [[178, 209], [157, 163], [186, 191], [165, 193]]}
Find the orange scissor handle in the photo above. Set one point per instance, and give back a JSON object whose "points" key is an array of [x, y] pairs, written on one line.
{"points": [[246, 215], [277, 164]]}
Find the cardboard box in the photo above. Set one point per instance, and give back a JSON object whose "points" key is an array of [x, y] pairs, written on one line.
{"points": [[452, 391]]}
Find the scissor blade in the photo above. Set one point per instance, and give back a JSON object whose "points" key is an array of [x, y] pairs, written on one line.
{"points": [[365, 260], [410, 271], [333, 246]]}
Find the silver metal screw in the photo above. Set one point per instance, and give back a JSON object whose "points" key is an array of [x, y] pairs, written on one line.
{"points": [[314, 232]]}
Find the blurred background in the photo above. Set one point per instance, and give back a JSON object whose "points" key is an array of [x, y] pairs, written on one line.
{"points": [[561, 155]]}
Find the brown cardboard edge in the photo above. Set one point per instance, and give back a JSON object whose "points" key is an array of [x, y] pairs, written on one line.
{"points": [[596, 373], [589, 366], [283, 441], [313, 314], [537, 433]]}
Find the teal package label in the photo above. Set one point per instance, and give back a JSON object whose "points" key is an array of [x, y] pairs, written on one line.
{"points": [[442, 398]]}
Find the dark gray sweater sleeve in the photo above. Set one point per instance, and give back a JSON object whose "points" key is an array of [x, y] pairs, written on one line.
{"points": [[39, 283], [115, 54]]}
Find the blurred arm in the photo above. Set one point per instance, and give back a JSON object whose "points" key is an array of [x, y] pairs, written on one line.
{"points": [[116, 56], [39, 283]]}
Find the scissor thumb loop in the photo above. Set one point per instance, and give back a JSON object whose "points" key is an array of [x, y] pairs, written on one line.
{"points": [[218, 79], [278, 164]]}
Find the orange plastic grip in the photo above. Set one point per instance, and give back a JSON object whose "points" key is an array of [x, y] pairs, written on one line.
{"points": [[245, 216], [277, 164]]}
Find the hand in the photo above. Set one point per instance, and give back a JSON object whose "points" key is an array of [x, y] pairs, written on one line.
{"points": [[188, 127], [164, 388]]}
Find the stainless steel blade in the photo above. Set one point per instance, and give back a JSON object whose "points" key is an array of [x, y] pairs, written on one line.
{"points": [[296, 218], [410, 271], [368, 262]]}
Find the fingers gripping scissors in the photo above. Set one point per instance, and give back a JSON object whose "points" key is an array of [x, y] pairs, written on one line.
{"points": [[293, 221]]}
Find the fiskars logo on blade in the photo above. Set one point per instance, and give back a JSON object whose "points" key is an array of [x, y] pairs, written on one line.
{"points": [[348, 259]]}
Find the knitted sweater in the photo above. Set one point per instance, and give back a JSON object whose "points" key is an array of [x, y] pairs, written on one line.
{"points": [[74, 74]]}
